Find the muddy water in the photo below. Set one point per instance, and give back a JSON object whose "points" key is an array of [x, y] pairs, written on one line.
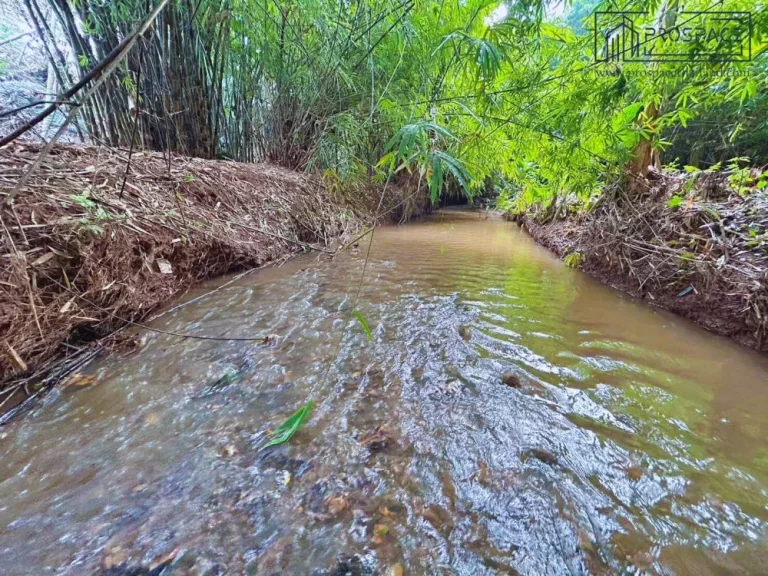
{"points": [[634, 442]]}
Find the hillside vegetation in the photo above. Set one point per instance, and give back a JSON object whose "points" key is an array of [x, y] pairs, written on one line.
{"points": [[474, 95]]}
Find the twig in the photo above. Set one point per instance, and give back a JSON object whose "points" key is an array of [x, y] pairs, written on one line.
{"points": [[135, 125]]}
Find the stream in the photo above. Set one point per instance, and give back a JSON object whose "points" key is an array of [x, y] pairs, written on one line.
{"points": [[508, 416]]}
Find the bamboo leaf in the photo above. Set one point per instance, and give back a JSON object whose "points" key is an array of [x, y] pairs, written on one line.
{"points": [[288, 428], [364, 324]]}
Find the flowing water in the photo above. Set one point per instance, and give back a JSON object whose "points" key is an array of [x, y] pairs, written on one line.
{"points": [[634, 442]]}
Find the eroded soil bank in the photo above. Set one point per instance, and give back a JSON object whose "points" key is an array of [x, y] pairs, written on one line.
{"points": [[83, 252], [704, 257]]}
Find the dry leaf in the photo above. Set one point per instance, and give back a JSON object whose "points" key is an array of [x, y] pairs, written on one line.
{"points": [[337, 504], [165, 559], [164, 266], [395, 570], [114, 558], [60, 253], [64, 309], [43, 259], [386, 512], [380, 532], [79, 380]]}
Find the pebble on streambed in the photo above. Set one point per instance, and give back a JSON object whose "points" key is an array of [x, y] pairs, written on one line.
{"points": [[539, 454], [378, 439], [511, 380]]}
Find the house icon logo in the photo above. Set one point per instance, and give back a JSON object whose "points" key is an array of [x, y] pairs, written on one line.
{"points": [[619, 40]]}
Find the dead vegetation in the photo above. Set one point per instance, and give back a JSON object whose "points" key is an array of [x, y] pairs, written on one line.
{"points": [[690, 244], [80, 258]]}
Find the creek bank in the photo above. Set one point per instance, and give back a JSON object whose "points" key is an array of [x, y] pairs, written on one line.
{"points": [[84, 253], [688, 244]]}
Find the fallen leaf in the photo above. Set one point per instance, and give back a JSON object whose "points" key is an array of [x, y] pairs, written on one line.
{"points": [[79, 380], [337, 504], [60, 253], [396, 570], [164, 266], [43, 259], [114, 558], [64, 309], [386, 512], [380, 532], [165, 559]]}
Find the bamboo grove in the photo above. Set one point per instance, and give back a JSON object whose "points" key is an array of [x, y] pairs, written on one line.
{"points": [[469, 94]]}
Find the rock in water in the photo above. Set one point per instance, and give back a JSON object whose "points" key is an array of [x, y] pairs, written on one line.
{"points": [[378, 439], [511, 380], [465, 333], [539, 454], [223, 382]]}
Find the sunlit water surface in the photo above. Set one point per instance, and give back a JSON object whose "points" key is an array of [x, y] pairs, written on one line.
{"points": [[635, 443]]}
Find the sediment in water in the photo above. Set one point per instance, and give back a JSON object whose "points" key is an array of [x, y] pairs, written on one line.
{"points": [[82, 253], [705, 258]]}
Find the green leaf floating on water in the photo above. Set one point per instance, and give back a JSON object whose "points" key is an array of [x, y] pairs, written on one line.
{"points": [[288, 428], [364, 324]]}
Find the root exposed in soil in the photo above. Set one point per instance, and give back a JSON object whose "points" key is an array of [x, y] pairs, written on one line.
{"points": [[78, 260], [705, 259]]}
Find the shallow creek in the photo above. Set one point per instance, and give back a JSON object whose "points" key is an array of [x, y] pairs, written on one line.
{"points": [[625, 440]]}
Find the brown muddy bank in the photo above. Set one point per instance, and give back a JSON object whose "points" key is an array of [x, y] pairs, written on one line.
{"points": [[706, 259], [80, 259]]}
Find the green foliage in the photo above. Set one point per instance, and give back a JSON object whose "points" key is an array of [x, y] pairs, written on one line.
{"points": [[458, 92], [675, 202], [741, 178], [288, 428], [364, 323], [95, 214], [574, 259]]}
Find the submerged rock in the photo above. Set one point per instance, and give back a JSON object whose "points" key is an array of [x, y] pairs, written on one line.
{"points": [[540, 454], [438, 516], [337, 504], [511, 380], [348, 566], [223, 382], [378, 439]]}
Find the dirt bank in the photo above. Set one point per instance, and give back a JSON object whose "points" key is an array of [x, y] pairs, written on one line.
{"points": [[704, 257], [79, 260]]}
